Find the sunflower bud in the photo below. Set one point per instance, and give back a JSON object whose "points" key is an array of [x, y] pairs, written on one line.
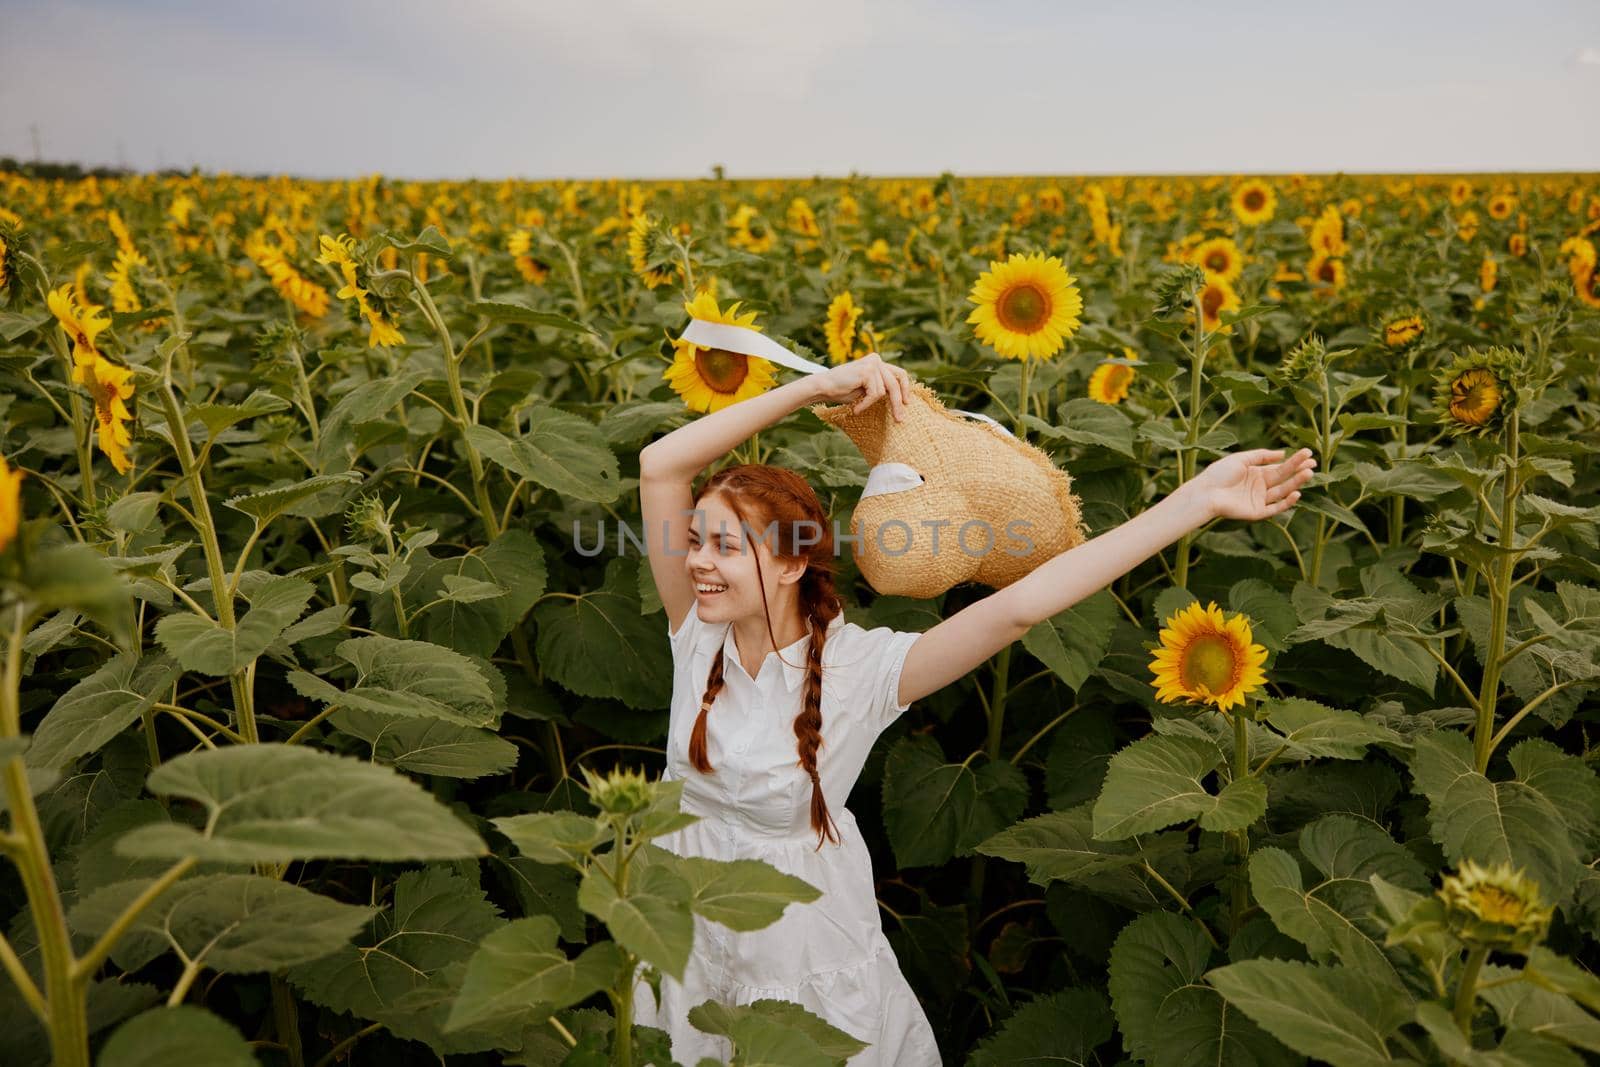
{"points": [[1178, 287], [651, 253], [1476, 392], [1307, 359], [1494, 907], [276, 341], [620, 792], [368, 519], [1402, 328]]}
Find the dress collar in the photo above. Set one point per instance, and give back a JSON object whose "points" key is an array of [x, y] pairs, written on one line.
{"points": [[794, 671]]}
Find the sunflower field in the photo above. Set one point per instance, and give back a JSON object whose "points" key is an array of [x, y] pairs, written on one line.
{"points": [[333, 697]]}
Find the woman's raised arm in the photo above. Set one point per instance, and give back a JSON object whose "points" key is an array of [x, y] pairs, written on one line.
{"points": [[1247, 485]]}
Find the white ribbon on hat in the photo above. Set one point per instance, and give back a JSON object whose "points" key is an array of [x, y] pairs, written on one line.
{"points": [[748, 342], [882, 478]]}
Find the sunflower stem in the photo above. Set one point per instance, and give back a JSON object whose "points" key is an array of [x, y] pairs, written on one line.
{"points": [[222, 599], [1499, 605], [1022, 397], [622, 999], [1240, 893], [997, 718], [64, 996], [452, 367], [1327, 458], [1188, 455], [1467, 988], [1397, 503]]}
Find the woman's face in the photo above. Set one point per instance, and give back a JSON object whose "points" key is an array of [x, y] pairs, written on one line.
{"points": [[722, 564]]}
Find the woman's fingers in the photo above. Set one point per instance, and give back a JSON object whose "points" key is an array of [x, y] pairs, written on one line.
{"points": [[891, 387], [874, 388]]}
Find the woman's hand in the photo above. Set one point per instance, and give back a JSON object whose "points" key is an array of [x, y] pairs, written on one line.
{"points": [[870, 378], [1253, 485]]}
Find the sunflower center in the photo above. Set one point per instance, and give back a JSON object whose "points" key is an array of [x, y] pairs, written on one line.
{"points": [[103, 393], [1211, 301], [1209, 662], [722, 370], [1217, 262], [1254, 199], [1496, 905], [1023, 308], [1327, 272], [1476, 397]]}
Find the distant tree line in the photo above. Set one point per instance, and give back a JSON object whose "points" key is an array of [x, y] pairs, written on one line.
{"points": [[52, 169]]}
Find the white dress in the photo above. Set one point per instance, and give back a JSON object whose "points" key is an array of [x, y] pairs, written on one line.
{"points": [[829, 956]]}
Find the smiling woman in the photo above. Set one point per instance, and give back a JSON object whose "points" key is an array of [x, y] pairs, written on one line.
{"points": [[777, 701]]}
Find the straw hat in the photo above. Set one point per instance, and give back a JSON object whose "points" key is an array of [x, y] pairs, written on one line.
{"points": [[941, 488]]}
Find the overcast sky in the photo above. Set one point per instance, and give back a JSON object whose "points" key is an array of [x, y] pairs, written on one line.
{"points": [[645, 88]]}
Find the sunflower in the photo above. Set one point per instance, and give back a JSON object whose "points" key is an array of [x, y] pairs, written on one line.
{"points": [[1460, 192], [124, 297], [1588, 288], [1254, 202], [384, 333], [750, 231], [841, 328], [1488, 274], [1476, 392], [1400, 331], [1207, 659], [1467, 225], [307, 296], [1494, 907], [649, 255], [1581, 256], [1327, 272], [1027, 306], [710, 379], [1327, 233], [1110, 381], [5, 262], [1502, 205], [1517, 245], [847, 210], [82, 322], [520, 246], [10, 503], [802, 219], [878, 251], [119, 230], [1219, 257], [341, 252], [111, 387], [1217, 296]]}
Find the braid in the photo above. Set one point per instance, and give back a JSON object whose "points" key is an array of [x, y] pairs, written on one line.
{"points": [[821, 604], [697, 738]]}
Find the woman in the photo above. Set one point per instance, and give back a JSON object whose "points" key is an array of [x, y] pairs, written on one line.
{"points": [[777, 700]]}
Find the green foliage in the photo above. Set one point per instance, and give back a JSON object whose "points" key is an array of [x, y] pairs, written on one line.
{"points": [[272, 694]]}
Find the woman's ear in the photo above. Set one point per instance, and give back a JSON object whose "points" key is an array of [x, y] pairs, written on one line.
{"points": [[791, 571]]}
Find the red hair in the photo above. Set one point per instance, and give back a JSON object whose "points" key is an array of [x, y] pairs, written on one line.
{"points": [[761, 495]]}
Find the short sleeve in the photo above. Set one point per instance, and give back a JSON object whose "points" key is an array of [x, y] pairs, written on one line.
{"points": [[884, 652], [691, 627]]}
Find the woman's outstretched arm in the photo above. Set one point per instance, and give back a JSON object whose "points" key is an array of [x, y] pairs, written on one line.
{"points": [[668, 467], [1249, 485]]}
